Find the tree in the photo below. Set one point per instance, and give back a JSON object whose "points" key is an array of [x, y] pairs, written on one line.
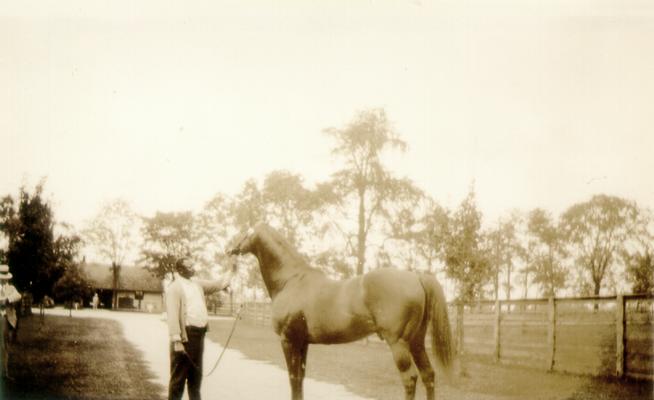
{"points": [[248, 209], [432, 234], [598, 231], [504, 247], [113, 232], [28, 226], [640, 272], [414, 229], [215, 227], [72, 287], [288, 204], [465, 261], [167, 238], [361, 144], [547, 250]]}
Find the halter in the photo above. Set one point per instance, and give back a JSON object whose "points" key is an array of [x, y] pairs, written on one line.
{"points": [[237, 248]]}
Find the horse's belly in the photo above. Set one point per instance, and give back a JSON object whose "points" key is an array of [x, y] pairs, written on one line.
{"points": [[335, 330]]}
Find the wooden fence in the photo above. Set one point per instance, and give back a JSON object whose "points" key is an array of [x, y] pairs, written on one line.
{"points": [[591, 335]]}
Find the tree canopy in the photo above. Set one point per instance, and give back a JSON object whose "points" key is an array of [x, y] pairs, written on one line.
{"points": [[362, 217], [168, 237], [360, 145], [465, 260], [597, 232]]}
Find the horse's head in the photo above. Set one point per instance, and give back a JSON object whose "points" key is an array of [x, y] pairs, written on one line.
{"points": [[243, 243]]}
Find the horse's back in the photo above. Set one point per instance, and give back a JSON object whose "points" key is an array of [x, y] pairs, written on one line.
{"points": [[385, 282], [396, 300]]}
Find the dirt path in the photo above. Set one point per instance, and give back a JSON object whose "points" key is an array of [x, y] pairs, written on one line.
{"points": [[235, 378]]}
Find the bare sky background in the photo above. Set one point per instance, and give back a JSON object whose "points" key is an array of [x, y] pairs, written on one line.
{"points": [[541, 103]]}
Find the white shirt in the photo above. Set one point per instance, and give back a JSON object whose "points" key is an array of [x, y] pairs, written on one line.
{"points": [[196, 310]]}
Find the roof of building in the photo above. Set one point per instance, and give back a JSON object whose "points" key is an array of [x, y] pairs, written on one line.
{"points": [[131, 278]]}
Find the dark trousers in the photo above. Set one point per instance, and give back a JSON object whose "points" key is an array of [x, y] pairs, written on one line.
{"points": [[187, 366]]}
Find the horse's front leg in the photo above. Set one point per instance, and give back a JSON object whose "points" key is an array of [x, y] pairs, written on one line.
{"points": [[296, 359]]}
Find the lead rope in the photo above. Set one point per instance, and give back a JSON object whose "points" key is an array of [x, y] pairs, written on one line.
{"points": [[231, 333]]}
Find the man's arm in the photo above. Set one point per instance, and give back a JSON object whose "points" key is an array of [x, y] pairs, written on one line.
{"points": [[11, 295], [173, 312], [217, 285], [14, 296]]}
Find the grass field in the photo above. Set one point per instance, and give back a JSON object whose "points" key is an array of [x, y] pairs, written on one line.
{"points": [[368, 370], [76, 358], [87, 358]]}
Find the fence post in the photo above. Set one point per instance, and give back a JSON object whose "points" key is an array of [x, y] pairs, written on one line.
{"points": [[619, 335], [498, 315], [551, 332], [459, 328], [460, 309]]}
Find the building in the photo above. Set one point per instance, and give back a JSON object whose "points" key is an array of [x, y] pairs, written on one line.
{"points": [[137, 288]]}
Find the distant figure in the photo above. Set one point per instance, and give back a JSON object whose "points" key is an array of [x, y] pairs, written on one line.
{"points": [[9, 296], [96, 300], [187, 324]]}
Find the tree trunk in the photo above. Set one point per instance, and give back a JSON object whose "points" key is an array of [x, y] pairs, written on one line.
{"points": [[496, 284], [508, 281], [526, 291], [361, 236], [596, 292], [115, 271]]}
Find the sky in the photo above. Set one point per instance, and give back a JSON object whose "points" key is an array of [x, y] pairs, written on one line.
{"points": [[536, 103]]}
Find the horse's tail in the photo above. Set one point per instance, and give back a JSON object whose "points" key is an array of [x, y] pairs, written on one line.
{"points": [[441, 335]]}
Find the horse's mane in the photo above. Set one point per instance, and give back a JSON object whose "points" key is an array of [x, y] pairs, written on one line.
{"points": [[279, 245]]}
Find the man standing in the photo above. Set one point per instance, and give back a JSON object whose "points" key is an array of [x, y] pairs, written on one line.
{"points": [[95, 301], [187, 324], [9, 296]]}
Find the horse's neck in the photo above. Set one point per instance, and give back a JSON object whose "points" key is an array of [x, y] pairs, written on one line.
{"points": [[277, 267]]}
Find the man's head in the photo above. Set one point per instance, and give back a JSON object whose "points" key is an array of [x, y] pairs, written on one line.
{"points": [[184, 268], [5, 275]]}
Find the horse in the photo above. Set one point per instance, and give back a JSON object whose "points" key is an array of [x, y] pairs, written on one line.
{"points": [[309, 307]]}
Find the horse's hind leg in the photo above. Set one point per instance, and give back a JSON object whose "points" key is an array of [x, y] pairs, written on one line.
{"points": [[404, 363], [424, 366]]}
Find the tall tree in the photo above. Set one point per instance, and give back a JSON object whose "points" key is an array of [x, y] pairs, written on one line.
{"points": [[639, 257], [73, 285], [547, 250], [28, 226], [640, 272], [167, 238], [415, 226], [361, 144], [247, 209], [113, 233], [504, 247], [465, 258], [598, 231], [432, 234], [288, 204]]}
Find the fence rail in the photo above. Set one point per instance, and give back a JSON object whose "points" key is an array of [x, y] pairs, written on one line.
{"points": [[608, 335]]}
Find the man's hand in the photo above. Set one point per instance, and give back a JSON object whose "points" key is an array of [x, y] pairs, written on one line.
{"points": [[178, 347]]}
